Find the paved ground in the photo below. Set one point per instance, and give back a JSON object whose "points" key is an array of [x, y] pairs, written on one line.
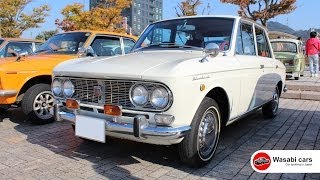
{"points": [[52, 152]]}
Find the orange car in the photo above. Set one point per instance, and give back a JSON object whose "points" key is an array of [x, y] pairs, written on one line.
{"points": [[25, 81], [12, 47]]}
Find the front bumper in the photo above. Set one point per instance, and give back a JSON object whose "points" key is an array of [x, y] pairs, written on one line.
{"points": [[140, 130], [8, 93]]}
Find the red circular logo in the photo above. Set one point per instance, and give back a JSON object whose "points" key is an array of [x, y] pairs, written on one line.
{"points": [[261, 161]]}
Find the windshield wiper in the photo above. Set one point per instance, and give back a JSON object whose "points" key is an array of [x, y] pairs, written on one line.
{"points": [[169, 45]]}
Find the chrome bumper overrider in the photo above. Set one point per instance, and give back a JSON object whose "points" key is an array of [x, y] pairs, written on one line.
{"points": [[140, 130], [8, 93]]}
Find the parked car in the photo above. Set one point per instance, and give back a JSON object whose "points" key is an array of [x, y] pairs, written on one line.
{"points": [[172, 89], [25, 81], [290, 53], [13, 47]]}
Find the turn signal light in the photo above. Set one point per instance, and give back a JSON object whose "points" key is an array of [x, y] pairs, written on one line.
{"points": [[72, 104], [112, 110]]}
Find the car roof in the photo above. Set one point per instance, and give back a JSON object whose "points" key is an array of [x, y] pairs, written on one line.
{"points": [[215, 16], [104, 33], [21, 40]]}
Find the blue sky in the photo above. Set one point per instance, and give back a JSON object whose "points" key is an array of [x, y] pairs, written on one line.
{"points": [[304, 17]]}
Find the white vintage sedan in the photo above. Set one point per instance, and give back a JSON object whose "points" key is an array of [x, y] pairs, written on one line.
{"points": [[185, 79]]}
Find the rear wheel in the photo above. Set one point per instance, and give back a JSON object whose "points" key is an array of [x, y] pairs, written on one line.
{"points": [[270, 109], [37, 103], [199, 146]]}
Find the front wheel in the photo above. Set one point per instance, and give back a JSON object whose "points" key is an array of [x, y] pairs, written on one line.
{"points": [[199, 146], [37, 102], [270, 109]]}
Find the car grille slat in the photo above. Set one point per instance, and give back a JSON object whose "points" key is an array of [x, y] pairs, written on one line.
{"points": [[115, 91]]}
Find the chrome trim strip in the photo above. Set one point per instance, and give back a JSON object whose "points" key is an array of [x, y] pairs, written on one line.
{"points": [[8, 93], [245, 114]]}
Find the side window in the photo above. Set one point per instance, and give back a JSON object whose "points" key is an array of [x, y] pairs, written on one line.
{"points": [[128, 45], [22, 48], [262, 43], [106, 46], [245, 40]]}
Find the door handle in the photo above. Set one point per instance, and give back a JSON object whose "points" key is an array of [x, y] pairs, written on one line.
{"points": [[277, 66], [261, 66]]}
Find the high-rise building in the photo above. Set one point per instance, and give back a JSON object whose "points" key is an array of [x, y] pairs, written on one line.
{"points": [[140, 14]]}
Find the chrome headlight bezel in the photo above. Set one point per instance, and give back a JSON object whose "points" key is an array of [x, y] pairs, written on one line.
{"points": [[153, 100], [142, 104], [68, 88], [149, 105], [57, 89]]}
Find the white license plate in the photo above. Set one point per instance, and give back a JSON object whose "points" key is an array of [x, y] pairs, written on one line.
{"points": [[90, 128], [286, 64]]}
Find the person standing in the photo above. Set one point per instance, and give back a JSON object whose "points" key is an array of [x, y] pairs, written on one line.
{"points": [[312, 52]]}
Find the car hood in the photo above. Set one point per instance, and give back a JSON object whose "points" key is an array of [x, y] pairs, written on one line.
{"points": [[284, 55], [37, 57], [133, 65]]}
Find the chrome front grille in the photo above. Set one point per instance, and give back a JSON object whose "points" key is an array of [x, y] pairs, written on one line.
{"points": [[115, 92]]}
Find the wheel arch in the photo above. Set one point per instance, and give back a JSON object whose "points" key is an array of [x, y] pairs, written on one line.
{"points": [[46, 79], [222, 99]]}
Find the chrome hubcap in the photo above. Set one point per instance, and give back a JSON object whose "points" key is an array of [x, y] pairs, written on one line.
{"points": [[275, 102], [207, 134], [42, 105]]}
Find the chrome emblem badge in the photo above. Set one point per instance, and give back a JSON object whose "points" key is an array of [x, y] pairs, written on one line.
{"points": [[97, 91]]}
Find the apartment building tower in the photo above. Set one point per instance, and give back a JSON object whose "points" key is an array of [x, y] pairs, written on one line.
{"points": [[140, 14]]}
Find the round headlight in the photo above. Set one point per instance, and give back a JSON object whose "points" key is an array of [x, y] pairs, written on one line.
{"points": [[139, 95], [68, 88], [57, 87], [159, 98]]}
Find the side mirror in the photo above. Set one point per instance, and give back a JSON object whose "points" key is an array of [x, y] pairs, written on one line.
{"points": [[86, 52], [211, 50]]}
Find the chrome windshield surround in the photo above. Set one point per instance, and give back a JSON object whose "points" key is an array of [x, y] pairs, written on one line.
{"points": [[114, 91]]}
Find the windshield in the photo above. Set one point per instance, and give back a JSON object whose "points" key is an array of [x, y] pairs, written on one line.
{"points": [[1, 41], [187, 32], [284, 47], [67, 43]]}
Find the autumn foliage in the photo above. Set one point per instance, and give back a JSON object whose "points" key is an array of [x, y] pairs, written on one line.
{"points": [[188, 8], [106, 16], [13, 20], [263, 10]]}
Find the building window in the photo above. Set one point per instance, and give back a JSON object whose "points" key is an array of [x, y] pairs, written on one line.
{"points": [[139, 11], [134, 18], [139, 26]]}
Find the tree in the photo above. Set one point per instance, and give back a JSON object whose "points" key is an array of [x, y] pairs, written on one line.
{"points": [[263, 10], [13, 21], [106, 16], [188, 8], [45, 35]]}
